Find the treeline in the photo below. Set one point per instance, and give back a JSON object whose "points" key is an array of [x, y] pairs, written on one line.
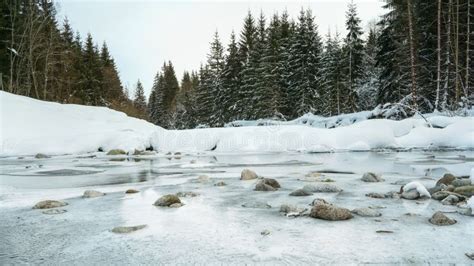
{"points": [[41, 59], [415, 58]]}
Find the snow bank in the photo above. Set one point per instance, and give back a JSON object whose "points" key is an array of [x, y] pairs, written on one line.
{"points": [[30, 126]]}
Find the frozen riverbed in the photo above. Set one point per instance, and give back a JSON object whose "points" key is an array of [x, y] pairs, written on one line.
{"points": [[214, 227]]}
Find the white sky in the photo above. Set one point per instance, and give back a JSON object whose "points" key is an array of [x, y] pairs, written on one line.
{"points": [[141, 35]]}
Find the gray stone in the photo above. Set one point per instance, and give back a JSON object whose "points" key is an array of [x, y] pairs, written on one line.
{"points": [[265, 232], [220, 184], [371, 177], [437, 188], [248, 174], [187, 194], [461, 182], [375, 195], [410, 194], [267, 184], [54, 211], [440, 219], [318, 201], [366, 212], [92, 194], [116, 152], [167, 200], [203, 179], [48, 204], [470, 255], [446, 179], [131, 191], [329, 212], [292, 210], [467, 191], [325, 188], [42, 156], [450, 200], [128, 229], [300, 193], [176, 205], [256, 205]]}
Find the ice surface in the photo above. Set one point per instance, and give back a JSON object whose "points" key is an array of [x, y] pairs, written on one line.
{"points": [[214, 228]]}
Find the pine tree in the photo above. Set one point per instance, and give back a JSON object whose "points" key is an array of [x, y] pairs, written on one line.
{"points": [[332, 76], [304, 62], [139, 100], [353, 46], [216, 63], [367, 93], [91, 78], [230, 81], [248, 38]]}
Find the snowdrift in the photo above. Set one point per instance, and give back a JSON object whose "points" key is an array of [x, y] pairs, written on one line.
{"points": [[31, 126]]}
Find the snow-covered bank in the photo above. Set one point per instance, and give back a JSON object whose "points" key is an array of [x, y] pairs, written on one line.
{"points": [[30, 126]]}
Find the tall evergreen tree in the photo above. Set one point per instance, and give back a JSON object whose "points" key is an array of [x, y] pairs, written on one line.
{"points": [[353, 46]]}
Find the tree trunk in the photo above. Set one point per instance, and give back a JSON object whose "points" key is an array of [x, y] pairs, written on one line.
{"points": [[412, 55], [466, 87], [456, 56], [448, 55], [438, 50]]}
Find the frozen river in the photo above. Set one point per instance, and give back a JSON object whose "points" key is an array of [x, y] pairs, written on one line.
{"points": [[214, 227]]}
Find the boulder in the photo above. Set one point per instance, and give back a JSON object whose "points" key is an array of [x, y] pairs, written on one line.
{"points": [[318, 201], [203, 179], [128, 229], [329, 212], [54, 211], [366, 212], [176, 205], [41, 156], [414, 190], [375, 195], [461, 182], [131, 191], [187, 194], [440, 219], [325, 188], [470, 255], [450, 200], [220, 184], [467, 191], [48, 204], [410, 195], [167, 200], [267, 184], [441, 187], [300, 193], [447, 179], [286, 208], [256, 205], [116, 152], [248, 174], [92, 194], [265, 232], [371, 177]]}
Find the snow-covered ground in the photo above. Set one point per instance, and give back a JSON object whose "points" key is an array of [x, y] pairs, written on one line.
{"points": [[31, 126], [218, 226]]}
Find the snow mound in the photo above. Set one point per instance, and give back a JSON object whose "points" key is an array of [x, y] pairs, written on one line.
{"points": [[30, 126], [419, 187]]}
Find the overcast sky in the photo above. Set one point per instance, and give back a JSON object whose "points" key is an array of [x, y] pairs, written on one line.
{"points": [[141, 35]]}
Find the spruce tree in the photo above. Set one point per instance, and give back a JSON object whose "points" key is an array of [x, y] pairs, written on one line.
{"points": [[353, 46], [139, 100]]}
